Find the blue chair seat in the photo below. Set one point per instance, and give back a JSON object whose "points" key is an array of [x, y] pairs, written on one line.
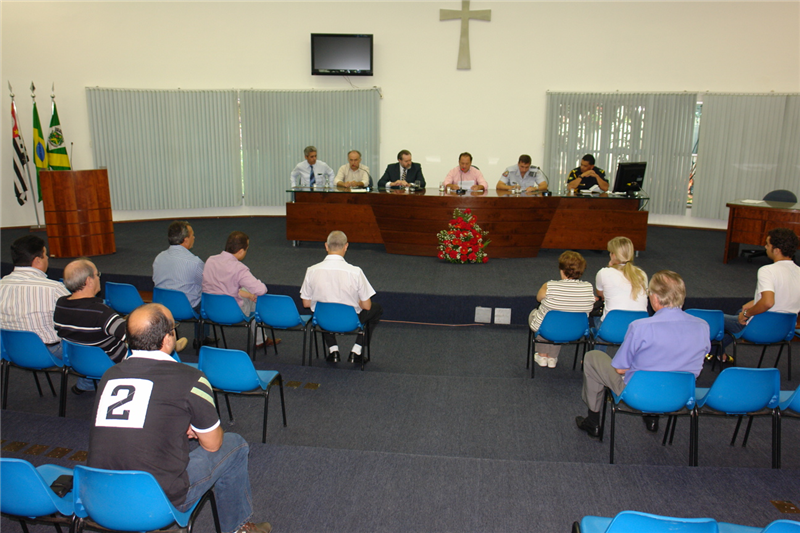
{"points": [[635, 522], [769, 329], [27, 496], [338, 319], [279, 312], [612, 331], [716, 328], [560, 327], [25, 350], [222, 310], [178, 304]]}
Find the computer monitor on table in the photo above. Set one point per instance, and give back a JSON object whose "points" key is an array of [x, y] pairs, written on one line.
{"points": [[630, 177]]}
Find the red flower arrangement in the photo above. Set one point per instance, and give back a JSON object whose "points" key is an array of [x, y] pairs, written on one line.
{"points": [[464, 241]]}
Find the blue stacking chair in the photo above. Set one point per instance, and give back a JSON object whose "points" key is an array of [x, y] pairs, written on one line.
{"points": [[25, 350], [655, 393], [178, 304], [86, 361], [339, 319], [743, 391], [635, 522], [560, 327], [279, 312], [129, 500], [223, 311], [614, 327], [232, 372], [27, 495], [122, 297], [788, 406], [778, 526], [768, 329], [716, 328]]}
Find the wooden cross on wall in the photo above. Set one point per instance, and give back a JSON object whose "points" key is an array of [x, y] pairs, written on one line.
{"points": [[464, 14]]}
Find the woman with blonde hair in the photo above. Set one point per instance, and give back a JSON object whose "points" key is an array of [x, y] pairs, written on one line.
{"points": [[621, 284], [566, 294]]}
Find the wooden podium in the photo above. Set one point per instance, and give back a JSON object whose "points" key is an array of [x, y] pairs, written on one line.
{"points": [[77, 211]]}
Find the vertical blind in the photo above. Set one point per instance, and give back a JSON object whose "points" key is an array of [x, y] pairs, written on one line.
{"points": [[196, 149], [749, 145], [278, 125], [619, 127], [167, 149]]}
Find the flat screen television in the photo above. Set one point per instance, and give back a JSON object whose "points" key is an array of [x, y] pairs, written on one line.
{"points": [[340, 54], [630, 177]]}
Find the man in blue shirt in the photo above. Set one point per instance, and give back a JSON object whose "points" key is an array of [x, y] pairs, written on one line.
{"points": [[669, 341]]}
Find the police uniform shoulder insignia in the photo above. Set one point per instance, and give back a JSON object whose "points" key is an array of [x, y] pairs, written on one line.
{"points": [[505, 174]]}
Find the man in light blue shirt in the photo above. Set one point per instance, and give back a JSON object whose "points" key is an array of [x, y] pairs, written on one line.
{"points": [[521, 174], [669, 341], [310, 173], [179, 269]]}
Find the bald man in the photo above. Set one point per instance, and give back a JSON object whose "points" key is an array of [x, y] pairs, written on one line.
{"points": [[150, 406]]}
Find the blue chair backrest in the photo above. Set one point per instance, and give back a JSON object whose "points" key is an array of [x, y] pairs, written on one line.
{"points": [[339, 318], [634, 522], [745, 390], [615, 324], [26, 349], [278, 311], [177, 303], [91, 361], [659, 392], [782, 526], [123, 500], [790, 400], [122, 297], [563, 326], [715, 319], [221, 308], [26, 493], [769, 327], [230, 370]]}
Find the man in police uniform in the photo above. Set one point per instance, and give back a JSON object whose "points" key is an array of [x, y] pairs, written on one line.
{"points": [[521, 173], [587, 176]]}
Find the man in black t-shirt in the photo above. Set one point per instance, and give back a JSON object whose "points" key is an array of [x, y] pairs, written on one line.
{"points": [[150, 406], [587, 176]]}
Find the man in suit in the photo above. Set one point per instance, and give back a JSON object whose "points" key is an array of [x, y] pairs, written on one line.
{"points": [[403, 172]]}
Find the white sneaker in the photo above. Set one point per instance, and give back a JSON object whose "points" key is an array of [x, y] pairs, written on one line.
{"points": [[540, 360], [551, 362]]}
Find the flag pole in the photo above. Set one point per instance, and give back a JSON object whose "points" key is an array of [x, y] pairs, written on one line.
{"points": [[39, 225]]}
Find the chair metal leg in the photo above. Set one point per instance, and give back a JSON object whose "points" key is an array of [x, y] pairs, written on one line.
{"points": [[266, 413], [283, 405], [777, 359], [575, 361], [694, 418], [216, 402], [763, 351], [747, 431], [222, 334], [613, 420], [274, 344], [305, 342], [6, 372], [736, 431], [228, 403], [50, 382], [670, 421], [528, 360], [62, 399], [38, 386], [606, 400], [533, 355], [776, 445], [672, 431]]}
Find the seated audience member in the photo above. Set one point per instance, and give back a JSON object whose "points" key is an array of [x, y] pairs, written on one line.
{"points": [[27, 297], [403, 173], [528, 180], [669, 341], [334, 280], [311, 172], [622, 285], [83, 318], [566, 294], [465, 174], [587, 176], [353, 174], [178, 269], [226, 274], [166, 404], [777, 288]]}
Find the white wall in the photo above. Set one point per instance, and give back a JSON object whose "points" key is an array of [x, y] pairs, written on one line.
{"points": [[496, 110]]}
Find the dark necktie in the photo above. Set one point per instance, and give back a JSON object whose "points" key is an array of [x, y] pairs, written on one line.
{"points": [[311, 179], [405, 170]]}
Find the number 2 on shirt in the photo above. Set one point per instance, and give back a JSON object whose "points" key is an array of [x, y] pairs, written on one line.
{"points": [[123, 403]]}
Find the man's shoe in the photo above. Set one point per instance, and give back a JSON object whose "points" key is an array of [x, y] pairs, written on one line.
{"points": [[210, 341], [333, 357], [354, 357], [181, 343], [651, 423], [249, 527], [585, 425], [77, 391], [268, 342]]}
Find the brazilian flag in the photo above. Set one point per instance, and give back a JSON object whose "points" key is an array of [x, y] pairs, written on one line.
{"points": [[57, 158], [39, 149]]}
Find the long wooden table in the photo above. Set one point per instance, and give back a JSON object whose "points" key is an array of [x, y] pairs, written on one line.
{"points": [[749, 223], [519, 225]]}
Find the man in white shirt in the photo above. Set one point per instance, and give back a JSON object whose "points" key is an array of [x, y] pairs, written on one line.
{"points": [[353, 174], [311, 173], [778, 287], [334, 280], [27, 296]]}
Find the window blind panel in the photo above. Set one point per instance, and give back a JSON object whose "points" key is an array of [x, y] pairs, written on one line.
{"points": [[617, 127], [167, 149], [748, 146], [278, 125]]}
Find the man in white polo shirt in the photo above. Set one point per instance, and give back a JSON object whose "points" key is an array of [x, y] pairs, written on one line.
{"points": [[334, 280]]}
